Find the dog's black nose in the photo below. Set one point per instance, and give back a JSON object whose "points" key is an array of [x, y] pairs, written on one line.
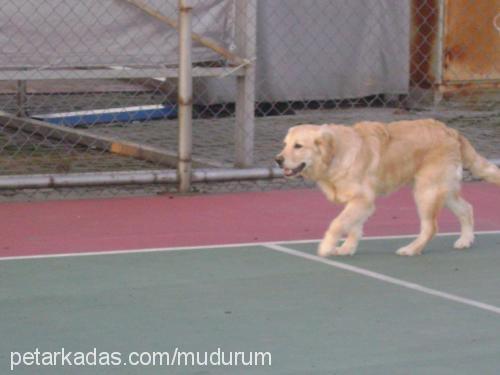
{"points": [[279, 160]]}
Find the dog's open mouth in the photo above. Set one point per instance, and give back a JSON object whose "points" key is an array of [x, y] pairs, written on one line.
{"points": [[295, 171]]}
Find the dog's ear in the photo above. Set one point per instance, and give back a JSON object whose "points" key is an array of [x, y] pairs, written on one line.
{"points": [[324, 142]]}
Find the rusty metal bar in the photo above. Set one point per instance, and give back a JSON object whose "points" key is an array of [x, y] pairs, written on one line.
{"points": [[99, 142]]}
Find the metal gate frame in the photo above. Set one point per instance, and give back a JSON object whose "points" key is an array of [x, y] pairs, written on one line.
{"points": [[241, 66]]}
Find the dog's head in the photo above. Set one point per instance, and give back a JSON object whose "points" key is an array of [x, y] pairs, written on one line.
{"points": [[307, 148]]}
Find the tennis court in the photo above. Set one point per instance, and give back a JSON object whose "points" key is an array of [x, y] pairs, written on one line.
{"points": [[243, 276]]}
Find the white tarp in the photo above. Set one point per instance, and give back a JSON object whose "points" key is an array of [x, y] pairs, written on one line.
{"points": [[306, 50], [327, 49], [61, 33]]}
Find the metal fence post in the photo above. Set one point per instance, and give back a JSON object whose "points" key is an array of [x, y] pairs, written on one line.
{"points": [[246, 41], [21, 98], [438, 95], [185, 96]]}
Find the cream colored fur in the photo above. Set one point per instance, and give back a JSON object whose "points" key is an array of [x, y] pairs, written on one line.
{"points": [[354, 164]]}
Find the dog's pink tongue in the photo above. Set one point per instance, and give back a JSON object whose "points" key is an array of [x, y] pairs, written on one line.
{"points": [[287, 171]]}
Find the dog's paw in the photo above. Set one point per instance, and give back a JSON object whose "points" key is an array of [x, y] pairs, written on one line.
{"points": [[344, 250], [408, 251], [464, 242], [325, 248]]}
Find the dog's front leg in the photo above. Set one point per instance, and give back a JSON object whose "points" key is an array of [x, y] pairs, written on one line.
{"points": [[349, 221]]}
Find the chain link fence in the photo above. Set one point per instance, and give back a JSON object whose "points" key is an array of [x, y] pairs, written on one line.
{"points": [[89, 101]]}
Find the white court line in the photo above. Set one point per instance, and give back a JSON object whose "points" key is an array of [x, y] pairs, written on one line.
{"points": [[201, 247], [386, 278]]}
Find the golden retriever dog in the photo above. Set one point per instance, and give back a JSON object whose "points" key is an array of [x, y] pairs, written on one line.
{"points": [[354, 164]]}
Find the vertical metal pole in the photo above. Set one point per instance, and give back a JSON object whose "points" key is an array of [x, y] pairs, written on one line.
{"points": [[185, 97], [21, 98], [246, 41], [438, 96]]}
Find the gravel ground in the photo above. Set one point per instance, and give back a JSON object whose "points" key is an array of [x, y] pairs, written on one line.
{"points": [[212, 140]]}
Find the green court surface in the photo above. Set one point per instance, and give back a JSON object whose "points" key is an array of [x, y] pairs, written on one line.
{"points": [[438, 314]]}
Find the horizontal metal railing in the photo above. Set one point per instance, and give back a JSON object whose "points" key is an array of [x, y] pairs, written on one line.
{"points": [[134, 177], [161, 176]]}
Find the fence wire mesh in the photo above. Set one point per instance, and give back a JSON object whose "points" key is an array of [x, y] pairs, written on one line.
{"points": [[91, 86]]}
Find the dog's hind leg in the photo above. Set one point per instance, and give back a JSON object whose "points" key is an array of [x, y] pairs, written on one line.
{"points": [[429, 200], [463, 211]]}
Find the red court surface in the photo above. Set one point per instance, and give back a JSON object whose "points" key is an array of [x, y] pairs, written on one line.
{"points": [[165, 221]]}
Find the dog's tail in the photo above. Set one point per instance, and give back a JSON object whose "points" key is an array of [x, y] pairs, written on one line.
{"points": [[479, 166]]}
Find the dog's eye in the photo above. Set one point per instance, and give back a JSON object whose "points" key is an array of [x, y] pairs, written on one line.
{"points": [[296, 145]]}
